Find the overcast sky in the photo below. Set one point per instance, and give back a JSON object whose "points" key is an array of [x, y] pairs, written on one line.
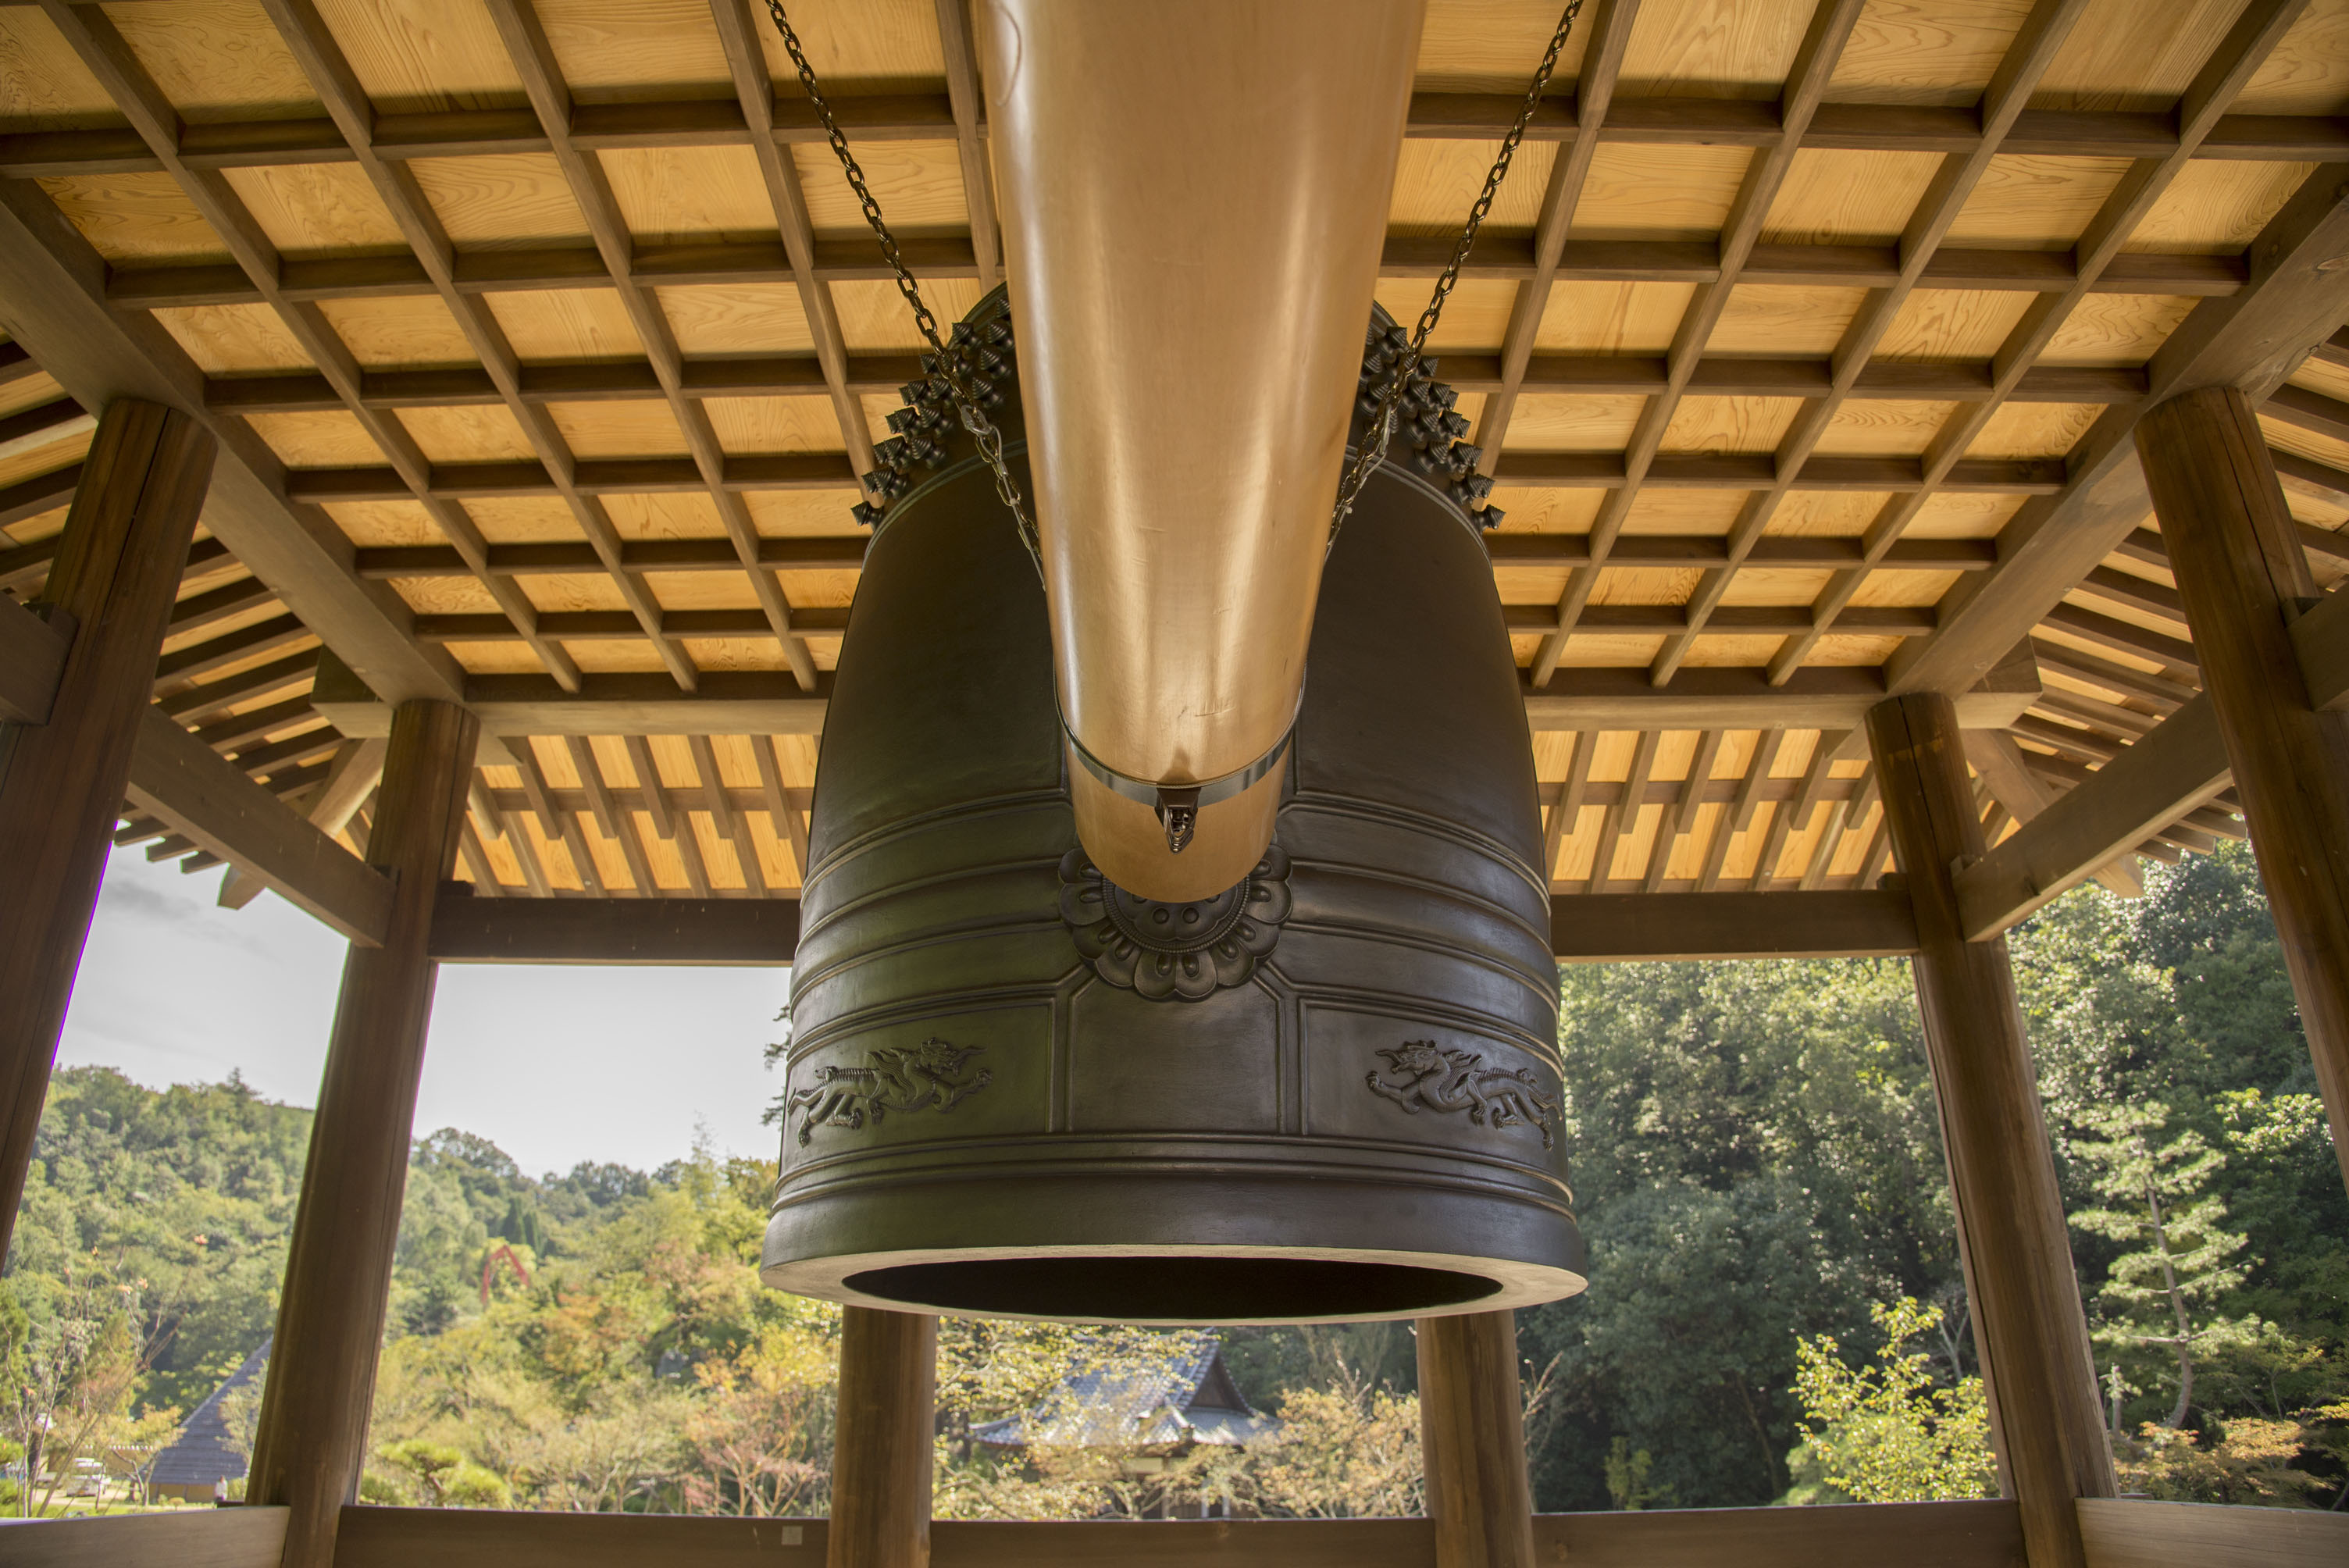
{"points": [[555, 1065]]}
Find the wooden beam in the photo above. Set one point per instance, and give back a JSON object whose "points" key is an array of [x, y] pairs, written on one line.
{"points": [[1472, 1440], [469, 928], [311, 1441], [2165, 774], [933, 117], [739, 702], [328, 805], [1742, 698], [2297, 296], [1497, 257], [2257, 31], [1620, 927], [2178, 764], [2320, 637], [185, 1538], [1999, 762], [882, 1444], [117, 569], [2245, 580], [53, 300], [748, 702], [2029, 1328], [208, 799], [2137, 1533], [1970, 1534], [32, 657]]}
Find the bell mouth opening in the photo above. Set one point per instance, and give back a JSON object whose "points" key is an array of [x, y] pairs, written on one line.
{"points": [[1177, 1288]]}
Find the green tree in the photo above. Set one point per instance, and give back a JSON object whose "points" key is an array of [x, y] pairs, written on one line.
{"points": [[1892, 1432], [2164, 1287]]}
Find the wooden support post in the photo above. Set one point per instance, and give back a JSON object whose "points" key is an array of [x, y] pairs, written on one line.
{"points": [[1471, 1440], [116, 573], [881, 1454], [311, 1443], [2243, 575], [2028, 1326]]}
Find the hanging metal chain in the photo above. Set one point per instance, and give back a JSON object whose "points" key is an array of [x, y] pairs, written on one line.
{"points": [[983, 433], [1381, 430]]}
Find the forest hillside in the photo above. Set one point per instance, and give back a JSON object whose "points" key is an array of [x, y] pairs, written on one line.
{"points": [[1775, 1312]]}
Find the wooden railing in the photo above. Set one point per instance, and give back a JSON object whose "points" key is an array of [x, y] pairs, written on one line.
{"points": [[1904, 1535], [2129, 1533], [2120, 1534], [189, 1538]]}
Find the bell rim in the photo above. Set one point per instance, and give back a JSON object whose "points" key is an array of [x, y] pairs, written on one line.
{"points": [[1517, 1284]]}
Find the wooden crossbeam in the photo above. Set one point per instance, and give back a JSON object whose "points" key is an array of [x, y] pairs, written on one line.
{"points": [[882, 374], [2143, 788], [321, 59], [1497, 257], [32, 657], [2255, 35], [1586, 928], [2298, 297], [932, 117], [469, 928], [102, 49], [1831, 23], [52, 300], [749, 702], [2141, 792], [533, 59], [1613, 928], [207, 799], [831, 472], [846, 553]]}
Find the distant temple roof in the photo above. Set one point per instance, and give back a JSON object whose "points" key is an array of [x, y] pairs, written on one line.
{"points": [[1188, 1399], [202, 1453]]}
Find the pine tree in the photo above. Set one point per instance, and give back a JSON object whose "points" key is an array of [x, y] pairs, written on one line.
{"points": [[2162, 1293]]}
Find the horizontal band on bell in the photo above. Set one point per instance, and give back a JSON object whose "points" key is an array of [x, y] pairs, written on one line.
{"points": [[1148, 791]]}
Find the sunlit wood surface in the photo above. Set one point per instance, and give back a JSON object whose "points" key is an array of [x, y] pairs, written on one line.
{"points": [[555, 322]]}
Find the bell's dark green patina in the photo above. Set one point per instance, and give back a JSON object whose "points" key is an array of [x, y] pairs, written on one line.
{"points": [[1330, 1093]]}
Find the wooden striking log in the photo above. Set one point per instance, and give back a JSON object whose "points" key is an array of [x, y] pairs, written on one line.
{"points": [[881, 1447], [1473, 1441], [2029, 1329], [117, 570], [2245, 580], [311, 1443]]}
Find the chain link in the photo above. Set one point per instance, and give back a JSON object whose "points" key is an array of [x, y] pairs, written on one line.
{"points": [[1374, 452], [983, 433], [989, 440]]}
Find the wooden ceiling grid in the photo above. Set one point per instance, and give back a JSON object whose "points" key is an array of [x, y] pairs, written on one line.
{"points": [[1797, 345]]}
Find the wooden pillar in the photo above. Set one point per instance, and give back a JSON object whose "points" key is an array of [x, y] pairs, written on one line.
{"points": [[2245, 579], [116, 573], [882, 1449], [311, 1443], [2028, 1326], [1472, 1441]]}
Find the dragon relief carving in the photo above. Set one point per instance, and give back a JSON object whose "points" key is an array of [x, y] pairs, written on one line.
{"points": [[1449, 1079], [893, 1078]]}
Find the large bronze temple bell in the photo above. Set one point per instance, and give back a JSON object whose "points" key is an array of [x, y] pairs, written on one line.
{"points": [[1330, 1092]]}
